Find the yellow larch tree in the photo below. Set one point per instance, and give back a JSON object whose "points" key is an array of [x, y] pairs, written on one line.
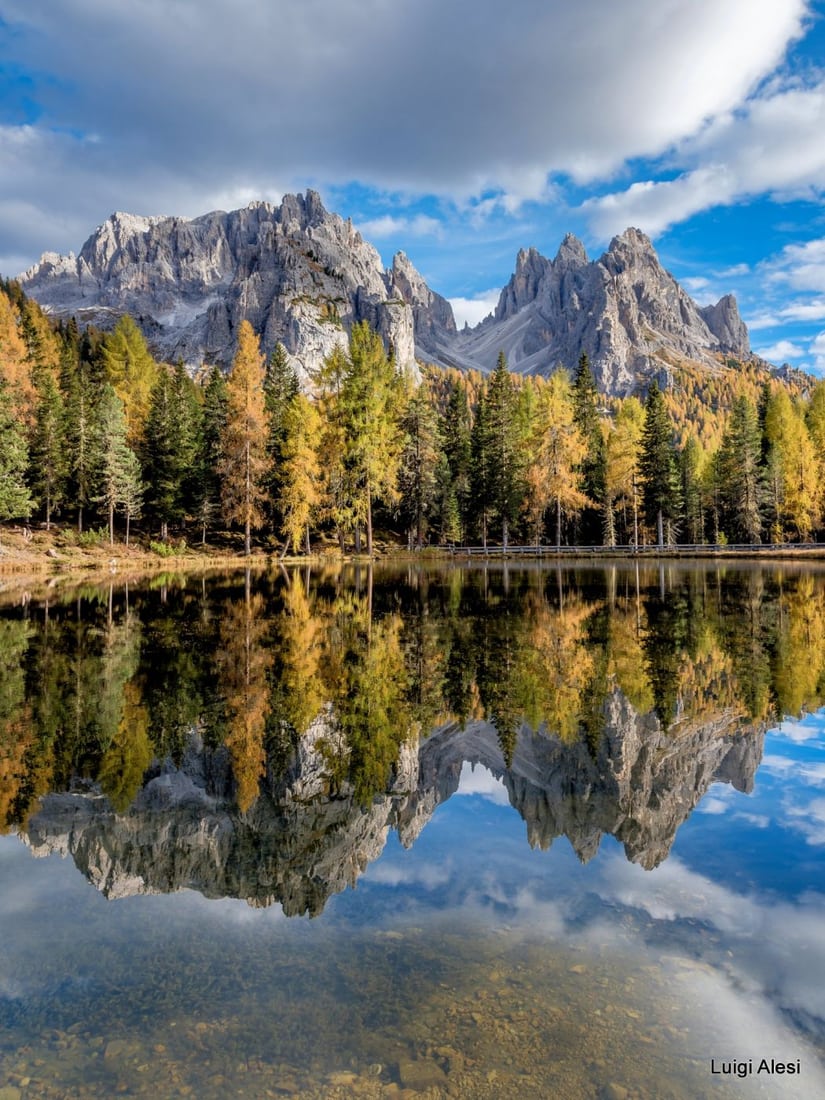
{"points": [[300, 493], [243, 460], [557, 449]]}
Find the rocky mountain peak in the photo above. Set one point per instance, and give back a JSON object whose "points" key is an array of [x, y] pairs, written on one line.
{"points": [[524, 284], [299, 274], [571, 253], [303, 276]]}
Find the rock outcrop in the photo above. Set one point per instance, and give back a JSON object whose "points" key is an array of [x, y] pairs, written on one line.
{"points": [[303, 276], [624, 310], [299, 844], [300, 275]]}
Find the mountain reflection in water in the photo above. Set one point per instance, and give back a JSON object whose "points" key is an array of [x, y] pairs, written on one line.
{"points": [[259, 737], [268, 737]]}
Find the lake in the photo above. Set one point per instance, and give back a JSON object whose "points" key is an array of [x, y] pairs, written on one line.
{"points": [[487, 832]]}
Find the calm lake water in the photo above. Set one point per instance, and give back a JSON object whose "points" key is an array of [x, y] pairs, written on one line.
{"points": [[478, 833]]}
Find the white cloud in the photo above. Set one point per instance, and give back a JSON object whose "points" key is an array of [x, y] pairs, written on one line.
{"points": [[420, 225], [479, 780], [817, 349], [456, 101], [780, 351], [800, 730], [801, 266], [472, 310], [771, 146]]}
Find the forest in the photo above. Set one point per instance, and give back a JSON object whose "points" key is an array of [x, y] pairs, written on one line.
{"points": [[100, 438]]}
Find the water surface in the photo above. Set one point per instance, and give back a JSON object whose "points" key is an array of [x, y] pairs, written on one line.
{"points": [[487, 832]]}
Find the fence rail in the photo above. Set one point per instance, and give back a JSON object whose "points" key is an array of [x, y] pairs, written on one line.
{"points": [[543, 551]]}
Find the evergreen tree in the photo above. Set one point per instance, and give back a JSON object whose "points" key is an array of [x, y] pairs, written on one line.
{"points": [[481, 470], [657, 465], [447, 510], [417, 477], [49, 459], [171, 446], [206, 481], [244, 463], [371, 396], [741, 488], [281, 387], [161, 465], [592, 471], [455, 432], [118, 474], [338, 492], [505, 461], [15, 500], [80, 384]]}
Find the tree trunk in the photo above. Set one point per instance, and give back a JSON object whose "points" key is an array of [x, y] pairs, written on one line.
{"points": [[558, 523], [660, 528], [369, 521], [111, 524]]}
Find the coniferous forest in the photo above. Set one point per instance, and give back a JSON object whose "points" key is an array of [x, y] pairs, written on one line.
{"points": [[97, 436]]}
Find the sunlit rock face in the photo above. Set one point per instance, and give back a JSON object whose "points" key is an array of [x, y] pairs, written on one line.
{"points": [[304, 276], [299, 274], [623, 310], [307, 836]]}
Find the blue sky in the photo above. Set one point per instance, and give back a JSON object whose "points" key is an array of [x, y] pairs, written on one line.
{"points": [[458, 132]]}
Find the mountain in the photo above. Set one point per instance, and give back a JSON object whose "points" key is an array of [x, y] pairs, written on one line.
{"points": [[299, 274], [624, 310], [304, 276]]}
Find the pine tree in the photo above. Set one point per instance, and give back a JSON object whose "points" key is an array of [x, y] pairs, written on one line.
{"points": [[80, 385], [338, 490], [15, 500], [455, 431], [592, 470], [118, 474], [244, 463], [505, 466], [371, 397], [657, 465], [281, 387], [417, 477], [741, 488], [206, 481], [171, 446], [49, 459], [481, 473]]}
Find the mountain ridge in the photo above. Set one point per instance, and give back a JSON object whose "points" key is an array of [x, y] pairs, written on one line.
{"points": [[304, 276]]}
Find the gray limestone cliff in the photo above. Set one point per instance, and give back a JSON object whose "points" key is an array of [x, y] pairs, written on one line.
{"points": [[306, 838], [299, 274], [304, 276], [624, 310]]}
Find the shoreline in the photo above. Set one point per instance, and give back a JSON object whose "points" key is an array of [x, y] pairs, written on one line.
{"points": [[38, 563]]}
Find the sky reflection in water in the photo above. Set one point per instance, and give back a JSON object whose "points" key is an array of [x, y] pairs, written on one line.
{"points": [[470, 939]]}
